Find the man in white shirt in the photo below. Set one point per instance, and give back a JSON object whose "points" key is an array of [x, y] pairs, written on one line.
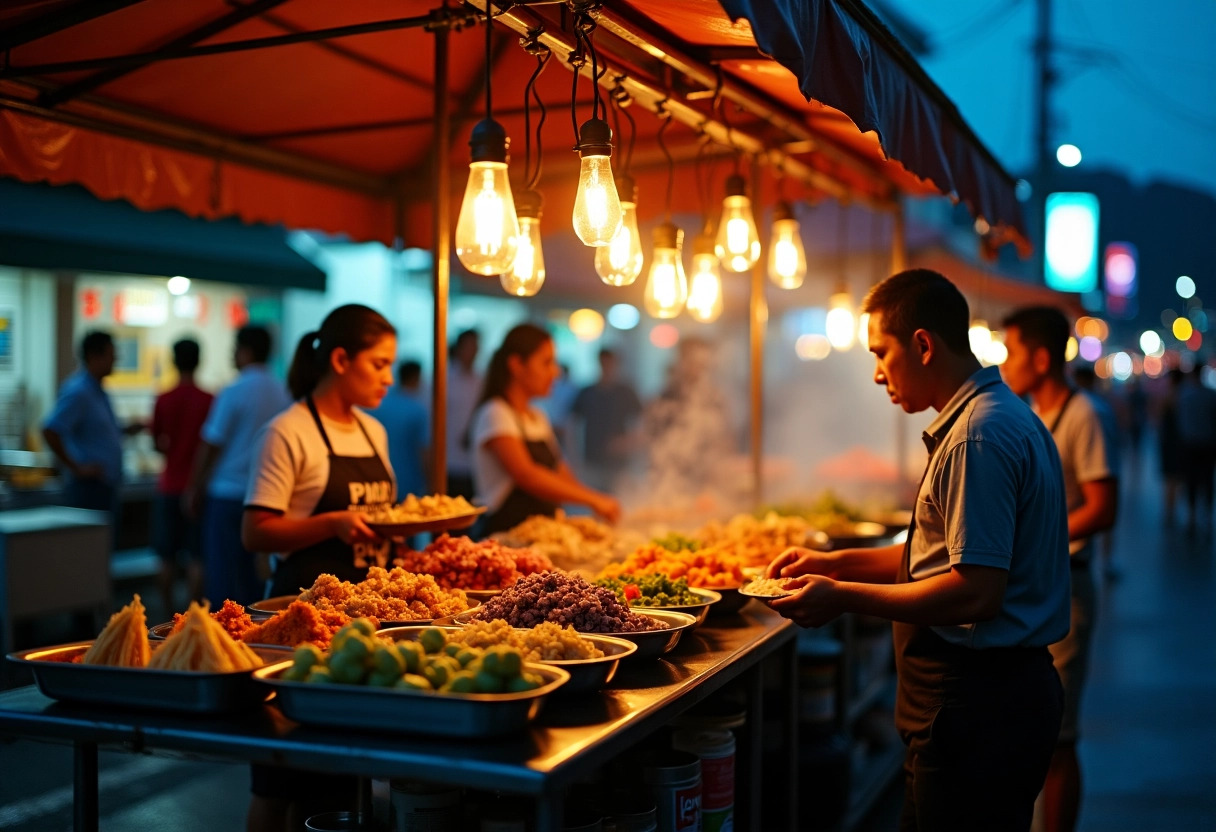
{"points": [[221, 471], [1037, 338], [464, 390]]}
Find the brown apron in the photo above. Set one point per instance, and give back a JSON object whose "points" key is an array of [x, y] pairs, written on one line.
{"points": [[519, 504]]}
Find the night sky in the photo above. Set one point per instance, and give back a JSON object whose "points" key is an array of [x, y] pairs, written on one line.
{"points": [[1137, 90]]}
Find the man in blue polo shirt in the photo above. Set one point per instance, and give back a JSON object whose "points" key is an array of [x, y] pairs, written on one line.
{"points": [[981, 587], [84, 434]]}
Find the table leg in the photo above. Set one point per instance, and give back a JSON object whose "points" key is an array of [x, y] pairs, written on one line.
{"points": [[549, 810], [84, 810], [789, 688], [754, 805]]}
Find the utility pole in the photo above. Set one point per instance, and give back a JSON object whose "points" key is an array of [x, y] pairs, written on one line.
{"points": [[1045, 79]]}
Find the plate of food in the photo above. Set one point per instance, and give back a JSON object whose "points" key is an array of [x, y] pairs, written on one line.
{"points": [[200, 669], [768, 589], [433, 513], [413, 686]]}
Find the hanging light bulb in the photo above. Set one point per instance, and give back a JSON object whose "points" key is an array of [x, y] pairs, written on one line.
{"points": [[620, 262], [786, 255], [841, 324], [487, 230], [597, 207], [738, 244], [666, 285], [705, 286], [527, 273]]}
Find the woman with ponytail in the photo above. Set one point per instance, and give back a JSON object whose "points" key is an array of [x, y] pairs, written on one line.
{"points": [[323, 463], [517, 464]]}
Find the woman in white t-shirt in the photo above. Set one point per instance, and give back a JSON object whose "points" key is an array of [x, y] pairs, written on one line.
{"points": [[322, 463], [518, 470]]}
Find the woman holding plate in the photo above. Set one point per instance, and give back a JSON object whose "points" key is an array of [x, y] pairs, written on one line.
{"points": [[322, 465], [518, 469]]}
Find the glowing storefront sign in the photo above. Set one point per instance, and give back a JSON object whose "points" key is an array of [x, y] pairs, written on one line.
{"points": [[1071, 247]]}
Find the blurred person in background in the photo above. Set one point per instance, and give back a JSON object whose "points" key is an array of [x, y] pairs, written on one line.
{"points": [[979, 589], [518, 465], [686, 429], [319, 466], [1197, 441], [83, 432], [1037, 338], [464, 386], [1084, 377], [221, 468], [1169, 446], [177, 423], [408, 424], [609, 411], [559, 406]]}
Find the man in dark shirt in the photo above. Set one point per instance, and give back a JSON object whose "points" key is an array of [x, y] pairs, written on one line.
{"points": [[177, 420], [608, 409]]}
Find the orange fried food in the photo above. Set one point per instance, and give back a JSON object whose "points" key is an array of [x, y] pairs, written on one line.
{"points": [[232, 617], [124, 641], [203, 645], [300, 623]]}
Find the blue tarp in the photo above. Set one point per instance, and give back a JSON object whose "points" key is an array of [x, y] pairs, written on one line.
{"points": [[845, 58]]}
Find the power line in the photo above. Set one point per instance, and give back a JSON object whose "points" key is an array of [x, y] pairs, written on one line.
{"points": [[979, 25]]}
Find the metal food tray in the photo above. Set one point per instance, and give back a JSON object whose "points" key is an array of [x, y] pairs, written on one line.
{"points": [[467, 715], [180, 691], [585, 674], [651, 643], [161, 632], [433, 524], [273, 606]]}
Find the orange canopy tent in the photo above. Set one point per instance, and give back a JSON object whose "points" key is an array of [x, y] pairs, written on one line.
{"points": [[351, 117], [321, 115]]}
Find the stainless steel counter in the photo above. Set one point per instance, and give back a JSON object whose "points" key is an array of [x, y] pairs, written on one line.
{"points": [[573, 736]]}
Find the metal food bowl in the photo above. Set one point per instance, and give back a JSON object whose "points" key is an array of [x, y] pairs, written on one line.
{"points": [[732, 601], [654, 643], [709, 597], [651, 643]]}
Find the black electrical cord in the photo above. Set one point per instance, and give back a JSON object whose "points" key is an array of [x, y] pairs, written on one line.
{"points": [[543, 54], [489, 52], [662, 113]]}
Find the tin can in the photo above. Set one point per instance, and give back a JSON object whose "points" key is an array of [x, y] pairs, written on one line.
{"points": [[644, 821], [674, 779], [716, 749], [417, 807]]}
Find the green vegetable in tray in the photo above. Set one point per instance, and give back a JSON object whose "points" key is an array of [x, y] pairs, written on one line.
{"points": [[651, 590], [429, 664], [676, 542]]}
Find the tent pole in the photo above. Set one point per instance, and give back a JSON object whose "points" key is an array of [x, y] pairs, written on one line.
{"points": [[899, 239], [758, 309], [441, 265]]}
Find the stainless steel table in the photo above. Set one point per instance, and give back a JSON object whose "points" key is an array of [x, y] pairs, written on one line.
{"points": [[573, 736]]}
